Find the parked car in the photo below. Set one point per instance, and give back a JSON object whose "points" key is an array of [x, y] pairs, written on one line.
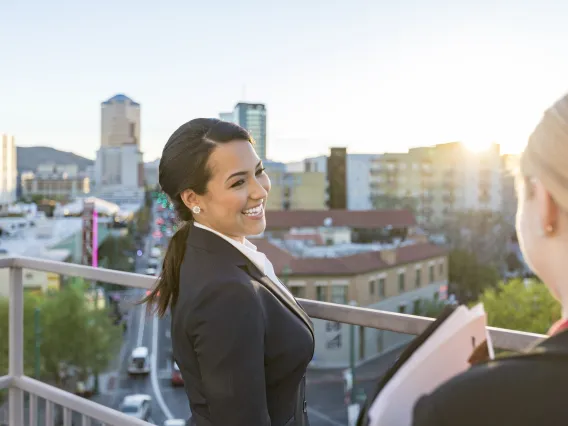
{"points": [[137, 406], [177, 380]]}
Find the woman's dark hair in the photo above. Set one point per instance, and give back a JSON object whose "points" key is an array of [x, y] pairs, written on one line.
{"points": [[184, 166]]}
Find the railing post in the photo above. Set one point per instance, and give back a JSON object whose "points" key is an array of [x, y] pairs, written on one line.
{"points": [[16, 345]]}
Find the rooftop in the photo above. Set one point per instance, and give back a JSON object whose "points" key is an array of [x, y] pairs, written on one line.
{"points": [[34, 237], [368, 260], [363, 219], [120, 99]]}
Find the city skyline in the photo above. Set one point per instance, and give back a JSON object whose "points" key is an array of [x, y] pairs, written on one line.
{"points": [[396, 76]]}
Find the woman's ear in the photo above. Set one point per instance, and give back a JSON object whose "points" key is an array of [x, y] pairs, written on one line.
{"points": [[189, 198], [547, 208]]}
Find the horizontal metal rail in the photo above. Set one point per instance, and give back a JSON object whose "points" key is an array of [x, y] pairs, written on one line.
{"points": [[76, 403], [19, 383], [401, 323]]}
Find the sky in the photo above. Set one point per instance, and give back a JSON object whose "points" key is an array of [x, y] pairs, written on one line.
{"points": [[371, 75]]}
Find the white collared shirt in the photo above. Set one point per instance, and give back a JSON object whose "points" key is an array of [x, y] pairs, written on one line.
{"points": [[258, 258]]}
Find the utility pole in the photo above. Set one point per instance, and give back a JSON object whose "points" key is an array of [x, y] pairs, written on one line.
{"points": [[37, 342], [353, 408]]}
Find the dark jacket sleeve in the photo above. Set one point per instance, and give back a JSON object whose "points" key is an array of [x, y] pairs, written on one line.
{"points": [[426, 412], [228, 337]]}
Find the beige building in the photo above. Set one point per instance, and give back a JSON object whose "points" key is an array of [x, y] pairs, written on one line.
{"points": [[59, 185], [120, 122], [439, 180], [326, 256], [296, 190]]}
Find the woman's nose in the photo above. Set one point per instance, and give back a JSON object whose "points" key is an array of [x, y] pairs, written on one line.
{"points": [[259, 191]]}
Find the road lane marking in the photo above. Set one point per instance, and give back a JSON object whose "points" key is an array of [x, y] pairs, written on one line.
{"points": [[141, 326], [154, 371], [322, 416]]}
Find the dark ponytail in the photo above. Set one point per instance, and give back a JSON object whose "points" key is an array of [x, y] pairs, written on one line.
{"points": [[184, 165], [166, 292]]}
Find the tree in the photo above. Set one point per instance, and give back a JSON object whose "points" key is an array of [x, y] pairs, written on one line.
{"points": [[75, 335], [31, 301], [429, 307], [468, 277], [484, 233], [513, 263], [524, 305]]}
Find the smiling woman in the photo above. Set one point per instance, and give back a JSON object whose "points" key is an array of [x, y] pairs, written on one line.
{"points": [[240, 339]]}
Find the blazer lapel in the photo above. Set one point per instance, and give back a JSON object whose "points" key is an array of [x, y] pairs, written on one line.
{"points": [[206, 240], [287, 299]]}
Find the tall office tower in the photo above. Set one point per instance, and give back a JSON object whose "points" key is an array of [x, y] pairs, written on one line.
{"points": [[8, 170], [119, 166], [253, 118], [120, 122]]}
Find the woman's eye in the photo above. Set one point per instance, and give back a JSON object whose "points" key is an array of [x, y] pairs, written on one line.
{"points": [[237, 183], [260, 171]]}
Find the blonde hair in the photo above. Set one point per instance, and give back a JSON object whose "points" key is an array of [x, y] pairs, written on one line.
{"points": [[546, 155]]}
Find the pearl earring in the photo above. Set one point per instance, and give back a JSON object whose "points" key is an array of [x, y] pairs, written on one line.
{"points": [[196, 209]]}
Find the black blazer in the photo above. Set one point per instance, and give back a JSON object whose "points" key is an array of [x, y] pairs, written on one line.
{"points": [[242, 343], [522, 390]]}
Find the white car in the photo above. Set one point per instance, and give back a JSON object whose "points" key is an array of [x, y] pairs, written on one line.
{"points": [[151, 271], [137, 406], [139, 362]]}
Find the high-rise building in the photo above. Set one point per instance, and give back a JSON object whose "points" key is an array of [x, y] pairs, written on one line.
{"points": [[8, 170], [253, 118], [120, 122], [119, 166]]}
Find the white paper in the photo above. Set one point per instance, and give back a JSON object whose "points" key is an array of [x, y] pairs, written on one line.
{"points": [[443, 355]]}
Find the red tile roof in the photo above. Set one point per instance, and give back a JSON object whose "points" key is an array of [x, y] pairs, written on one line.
{"points": [[349, 265], [277, 219]]}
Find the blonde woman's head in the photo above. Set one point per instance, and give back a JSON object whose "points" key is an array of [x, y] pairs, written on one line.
{"points": [[542, 215]]}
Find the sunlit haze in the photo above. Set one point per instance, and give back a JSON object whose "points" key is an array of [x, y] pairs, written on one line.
{"points": [[370, 75]]}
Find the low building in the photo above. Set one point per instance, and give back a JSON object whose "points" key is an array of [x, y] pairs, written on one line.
{"points": [[394, 271], [57, 239]]}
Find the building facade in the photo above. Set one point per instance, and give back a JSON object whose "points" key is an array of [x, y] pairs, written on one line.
{"points": [[322, 256], [295, 190], [120, 122], [8, 170]]}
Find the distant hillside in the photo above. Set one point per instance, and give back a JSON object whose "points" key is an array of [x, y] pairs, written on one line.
{"points": [[31, 157]]}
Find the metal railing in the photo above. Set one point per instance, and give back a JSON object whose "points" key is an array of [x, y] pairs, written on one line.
{"points": [[18, 383]]}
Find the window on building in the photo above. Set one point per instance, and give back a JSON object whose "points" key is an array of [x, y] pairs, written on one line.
{"points": [[321, 293], [339, 294], [418, 279], [382, 287], [441, 269], [372, 286], [431, 270], [401, 282]]}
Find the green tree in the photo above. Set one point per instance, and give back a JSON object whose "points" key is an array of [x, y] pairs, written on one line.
{"points": [[521, 305], [468, 277], [31, 301], [74, 334], [429, 307], [484, 233], [513, 263]]}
